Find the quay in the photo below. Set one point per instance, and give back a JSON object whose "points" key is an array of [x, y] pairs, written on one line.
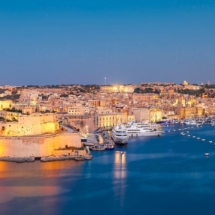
{"points": [[47, 158]]}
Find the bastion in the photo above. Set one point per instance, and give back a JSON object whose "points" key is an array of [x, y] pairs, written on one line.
{"points": [[36, 135]]}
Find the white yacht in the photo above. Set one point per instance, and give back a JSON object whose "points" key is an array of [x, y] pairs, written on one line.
{"points": [[148, 125], [136, 129], [119, 134], [144, 125]]}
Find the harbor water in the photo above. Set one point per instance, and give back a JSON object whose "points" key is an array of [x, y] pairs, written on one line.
{"points": [[150, 175]]}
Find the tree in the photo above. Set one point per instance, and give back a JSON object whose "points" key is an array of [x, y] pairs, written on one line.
{"points": [[192, 92], [146, 90], [64, 95], [137, 90]]}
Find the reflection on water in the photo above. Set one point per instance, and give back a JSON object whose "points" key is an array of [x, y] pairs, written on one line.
{"points": [[8, 193], [119, 165], [120, 173], [3, 166], [40, 179], [52, 169]]}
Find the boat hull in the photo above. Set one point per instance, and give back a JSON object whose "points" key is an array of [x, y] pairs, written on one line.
{"points": [[146, 134], [109, 148], [96, 148], [120, 141]]}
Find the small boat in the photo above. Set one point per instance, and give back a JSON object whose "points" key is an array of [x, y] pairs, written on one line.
{"points": [[207, 154], [188, 135], [98, 148], [109, 146], [198, 138], [194, 136], [210, 141], [203, 139]]}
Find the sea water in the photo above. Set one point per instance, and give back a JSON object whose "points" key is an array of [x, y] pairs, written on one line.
{"points": [[150, 175]]}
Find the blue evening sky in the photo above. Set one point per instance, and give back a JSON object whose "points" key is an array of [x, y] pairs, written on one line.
{"points": [[128, 41]]}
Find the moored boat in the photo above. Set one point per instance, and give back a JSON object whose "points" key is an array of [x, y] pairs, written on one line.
{"points": [[109, 146], [133, 129], [120, 135], [98, 148]]}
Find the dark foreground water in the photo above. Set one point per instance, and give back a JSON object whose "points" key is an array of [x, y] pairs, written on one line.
{"points": [[167, 175]]}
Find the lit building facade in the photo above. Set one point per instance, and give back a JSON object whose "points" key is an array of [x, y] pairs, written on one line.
{"points": [[117, 89], [155, 115], [5, 104], [112, 119]]}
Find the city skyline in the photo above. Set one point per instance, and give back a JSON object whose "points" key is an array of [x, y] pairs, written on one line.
{"points": [[111, 84], [56, 42]]}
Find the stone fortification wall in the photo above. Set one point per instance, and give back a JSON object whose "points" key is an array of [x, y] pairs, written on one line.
{"points": [[81, 123], [37, 146], [33, 124], [37, 124]]}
